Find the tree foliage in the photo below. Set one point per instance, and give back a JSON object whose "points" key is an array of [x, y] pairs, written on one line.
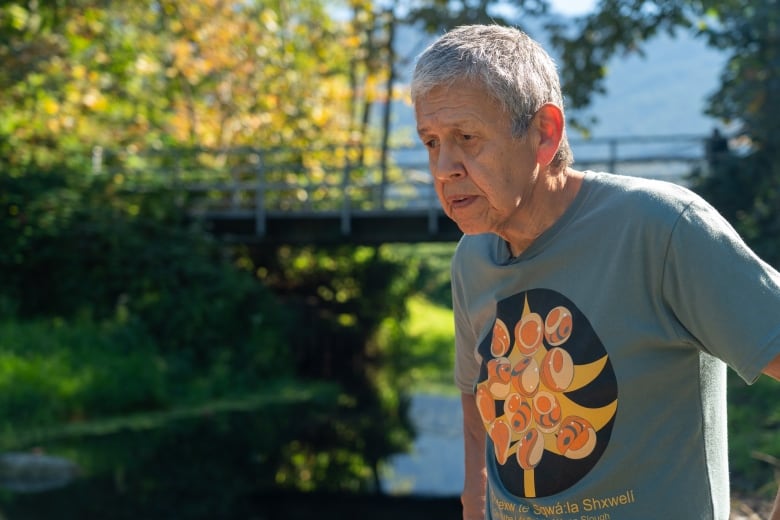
{"points": [[745, 186], [80, 243], [73, 249], [152, 74], [347, 305], [748, 99]]}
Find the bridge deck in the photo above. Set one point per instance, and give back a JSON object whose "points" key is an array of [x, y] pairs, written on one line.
{"points": [[356, 227], [257, 196]]}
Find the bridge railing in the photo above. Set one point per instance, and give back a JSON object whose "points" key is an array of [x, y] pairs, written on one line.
{"points": [[346, 181], [668, 157], [319, 180], [264, 183]]}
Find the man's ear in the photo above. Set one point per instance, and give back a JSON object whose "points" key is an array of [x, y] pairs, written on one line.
{"points": [[549, 125]]}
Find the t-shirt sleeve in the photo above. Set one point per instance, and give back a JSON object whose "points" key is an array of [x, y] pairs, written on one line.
{"points": [[721, 292]]}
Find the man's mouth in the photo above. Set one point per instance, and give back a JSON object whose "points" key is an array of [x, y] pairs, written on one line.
{"points": [[459, 201]]}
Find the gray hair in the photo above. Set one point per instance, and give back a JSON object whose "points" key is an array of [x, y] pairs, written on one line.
{"points": [[515, 70]]}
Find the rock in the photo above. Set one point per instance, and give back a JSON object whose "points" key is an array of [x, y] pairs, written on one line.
{"points": [[34, 472]]}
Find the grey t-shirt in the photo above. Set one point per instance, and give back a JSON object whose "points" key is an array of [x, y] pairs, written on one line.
{"points": [[597, 356]]}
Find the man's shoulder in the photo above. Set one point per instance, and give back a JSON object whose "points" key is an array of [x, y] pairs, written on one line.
{"points": [[638, 196]]}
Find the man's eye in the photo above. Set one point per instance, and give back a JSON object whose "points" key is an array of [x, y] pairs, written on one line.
{"points": [[430, 143], [468, 137]]}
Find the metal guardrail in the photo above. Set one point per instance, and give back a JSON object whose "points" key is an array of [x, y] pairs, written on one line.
{"points": [[669, 157], [260, 184]]}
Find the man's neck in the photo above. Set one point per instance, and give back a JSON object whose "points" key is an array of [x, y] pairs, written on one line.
{"points": [[559, 191]]}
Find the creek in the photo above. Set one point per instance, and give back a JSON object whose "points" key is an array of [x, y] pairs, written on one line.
{"points": [[434, 466], [203, 468]]}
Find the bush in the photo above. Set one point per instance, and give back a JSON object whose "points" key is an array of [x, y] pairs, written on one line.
{"points": [[754, 432], [53, 371], [75, 247]]}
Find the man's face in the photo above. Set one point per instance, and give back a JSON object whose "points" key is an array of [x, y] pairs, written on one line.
{"points": [[482, 174]]}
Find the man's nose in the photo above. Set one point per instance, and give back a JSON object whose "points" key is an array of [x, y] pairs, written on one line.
{"points": [[447, 164]]}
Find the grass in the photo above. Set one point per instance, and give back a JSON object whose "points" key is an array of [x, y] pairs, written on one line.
{"points": [[51, 371], [282, 392], [71, 379], [432, 355]]}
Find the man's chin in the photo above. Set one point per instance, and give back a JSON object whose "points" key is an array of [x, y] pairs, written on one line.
{"points": [[471, 229]]}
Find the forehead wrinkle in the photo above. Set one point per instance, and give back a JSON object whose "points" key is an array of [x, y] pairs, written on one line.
{"points": [[444, 116], [461, 122], [448, 108]]}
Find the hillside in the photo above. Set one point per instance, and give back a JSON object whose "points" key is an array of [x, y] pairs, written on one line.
{"points": [[661, 93]]}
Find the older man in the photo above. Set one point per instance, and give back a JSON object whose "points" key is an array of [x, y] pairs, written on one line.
{"points": [[595, 314]]}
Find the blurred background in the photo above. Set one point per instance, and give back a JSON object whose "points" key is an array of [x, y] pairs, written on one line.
{"points": [[224, 276]]}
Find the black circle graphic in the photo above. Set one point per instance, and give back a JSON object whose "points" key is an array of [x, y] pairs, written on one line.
{"points": [[547, 394]]}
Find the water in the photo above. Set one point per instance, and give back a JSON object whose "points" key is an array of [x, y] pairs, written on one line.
{"points": [[222, 465], [434, 467]]}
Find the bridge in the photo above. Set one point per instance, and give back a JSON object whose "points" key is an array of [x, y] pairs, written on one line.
{"points": [[336, 196]]}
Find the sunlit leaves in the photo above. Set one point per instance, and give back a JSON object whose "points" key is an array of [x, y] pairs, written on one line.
{"points": [[147, 74]]}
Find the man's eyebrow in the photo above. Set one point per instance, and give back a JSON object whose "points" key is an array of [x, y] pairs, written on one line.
{"points": [[454, 124]]}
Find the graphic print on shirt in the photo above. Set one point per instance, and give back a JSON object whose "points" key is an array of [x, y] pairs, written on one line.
{"points": [[546, 393]]}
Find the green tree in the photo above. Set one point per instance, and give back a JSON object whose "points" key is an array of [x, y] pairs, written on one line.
{"points": [[74, 247], [348, 304], [134, 76], [744, 186]]}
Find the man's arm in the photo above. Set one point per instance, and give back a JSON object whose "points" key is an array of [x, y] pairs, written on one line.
{"points": [[773, 368], [473, 497], [776, 509]]}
